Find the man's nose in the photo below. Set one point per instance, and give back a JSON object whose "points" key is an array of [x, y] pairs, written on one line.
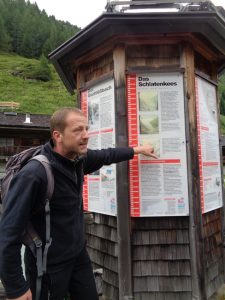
{"points": [[85, 134]]}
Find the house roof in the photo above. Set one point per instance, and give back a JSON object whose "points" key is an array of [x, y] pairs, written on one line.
{"points": [[209, 24], [13, 119]]}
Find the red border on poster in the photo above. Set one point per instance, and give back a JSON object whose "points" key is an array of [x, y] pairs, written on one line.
{"points": [[133, 142], [199, 146], [84, 108]]}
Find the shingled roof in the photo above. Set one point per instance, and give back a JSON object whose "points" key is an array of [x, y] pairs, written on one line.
{"points": [[13, 119]]}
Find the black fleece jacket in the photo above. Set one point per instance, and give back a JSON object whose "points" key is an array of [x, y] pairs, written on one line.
{"points": [[27, 190]]}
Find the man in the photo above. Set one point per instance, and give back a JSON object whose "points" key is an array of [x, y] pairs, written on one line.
{"points": [[68, 265]]}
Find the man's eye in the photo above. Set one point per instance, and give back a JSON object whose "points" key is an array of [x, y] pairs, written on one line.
{"points": [[77, 129], [80, 129]]}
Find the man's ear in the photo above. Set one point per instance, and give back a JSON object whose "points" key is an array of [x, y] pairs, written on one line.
{"points": [[56, 135]]}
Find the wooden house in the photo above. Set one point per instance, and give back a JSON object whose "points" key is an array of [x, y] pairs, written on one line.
{"points": [[169, 255], [19, 131]]}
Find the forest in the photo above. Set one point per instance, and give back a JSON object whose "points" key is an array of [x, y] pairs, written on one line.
{"points": [[30, 32]]}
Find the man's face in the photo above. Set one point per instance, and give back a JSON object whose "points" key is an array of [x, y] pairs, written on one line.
{"points": [[73, 140]]}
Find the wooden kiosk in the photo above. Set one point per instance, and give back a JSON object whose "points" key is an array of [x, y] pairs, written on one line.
{"points": [[148, 76]]}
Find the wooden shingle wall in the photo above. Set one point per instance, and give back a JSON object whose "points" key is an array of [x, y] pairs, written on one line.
{"points": [[161, 258], [153, 56], [93, 70], [213, 251], [101, 237]]}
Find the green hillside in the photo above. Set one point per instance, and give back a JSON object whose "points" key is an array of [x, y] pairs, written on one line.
{"points": [[17, 84]]}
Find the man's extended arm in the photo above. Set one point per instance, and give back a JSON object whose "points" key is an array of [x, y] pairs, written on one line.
{"points": [[97, 158]]}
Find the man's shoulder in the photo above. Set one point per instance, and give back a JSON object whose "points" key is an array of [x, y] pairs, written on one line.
{"points": [[33, 167]]}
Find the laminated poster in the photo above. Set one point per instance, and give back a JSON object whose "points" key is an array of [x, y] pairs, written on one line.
{"points": [[158, 187], [208, 146], [99, 193]]}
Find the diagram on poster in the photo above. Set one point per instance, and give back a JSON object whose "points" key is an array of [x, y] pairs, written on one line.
{"points": [[156, 116], [208, 146], [100, 187]]}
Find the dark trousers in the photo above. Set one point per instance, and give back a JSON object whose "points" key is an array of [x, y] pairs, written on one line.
{"points": [[75, 279]]}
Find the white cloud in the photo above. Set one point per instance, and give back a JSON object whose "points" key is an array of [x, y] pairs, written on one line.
{"points": [[79, 13]]}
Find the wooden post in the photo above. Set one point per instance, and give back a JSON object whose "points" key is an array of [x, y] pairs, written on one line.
{"points": [[80, 84], [195, 218], [123, 215]]}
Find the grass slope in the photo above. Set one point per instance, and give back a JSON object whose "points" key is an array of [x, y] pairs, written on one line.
{"points": [[34, 96]]}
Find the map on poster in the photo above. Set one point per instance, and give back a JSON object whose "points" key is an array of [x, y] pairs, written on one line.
{"points": [[158, 187], [99, 193], [208, 145]]}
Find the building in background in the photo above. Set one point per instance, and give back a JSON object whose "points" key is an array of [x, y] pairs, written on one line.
{"points": [[19, 131]]}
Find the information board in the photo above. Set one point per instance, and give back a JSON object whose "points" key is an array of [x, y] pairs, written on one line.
{"points": [[208, 146], [99, 193], [158, 187]]}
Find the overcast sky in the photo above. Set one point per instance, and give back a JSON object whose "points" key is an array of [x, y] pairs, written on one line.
{"points": [[80, 12]]}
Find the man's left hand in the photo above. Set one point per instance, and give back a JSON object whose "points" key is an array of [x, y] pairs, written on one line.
{"points": [[147, 150]]}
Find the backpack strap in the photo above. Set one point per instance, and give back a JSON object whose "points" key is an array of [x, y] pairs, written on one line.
{"points": [[50, 179], [41, 259]]}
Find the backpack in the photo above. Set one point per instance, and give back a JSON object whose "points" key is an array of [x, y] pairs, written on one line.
{"points": [[30, 237]]}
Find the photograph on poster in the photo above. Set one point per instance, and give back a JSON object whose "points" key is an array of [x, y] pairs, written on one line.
{"points": [[148, 100], [149, 124], [93, 115], [107, 174]]}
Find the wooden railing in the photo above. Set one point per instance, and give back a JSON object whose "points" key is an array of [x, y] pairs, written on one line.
{"points": [[10, 104]]}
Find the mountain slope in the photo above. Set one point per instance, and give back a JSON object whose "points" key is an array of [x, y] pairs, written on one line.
{"points": [[34, 96]]}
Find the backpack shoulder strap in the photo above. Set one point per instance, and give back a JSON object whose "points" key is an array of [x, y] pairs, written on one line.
{"points": [[41, 258], [50, 188], [50, 179]]}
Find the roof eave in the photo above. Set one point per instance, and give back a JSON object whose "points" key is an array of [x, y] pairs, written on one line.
{"points": [[208, 23]]}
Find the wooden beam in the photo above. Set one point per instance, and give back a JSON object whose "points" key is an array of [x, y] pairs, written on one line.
{"points": [[149, 39], [80, 84], [195, 217], [123, 216], [10, 104]]}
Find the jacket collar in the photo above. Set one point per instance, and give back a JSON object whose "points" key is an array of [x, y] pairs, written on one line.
{"points": [[61, 163]]}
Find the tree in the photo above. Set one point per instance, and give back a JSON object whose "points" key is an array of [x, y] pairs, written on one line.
{"points": [[4, 38], [30, 31], [222, 94]]}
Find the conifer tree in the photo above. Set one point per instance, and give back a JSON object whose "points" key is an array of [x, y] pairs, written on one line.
{"points": [[28, 31]]}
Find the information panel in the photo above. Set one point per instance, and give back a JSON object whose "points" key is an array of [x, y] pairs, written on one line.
{"points": [[208, 146], [97, 103], [156, 115]]}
